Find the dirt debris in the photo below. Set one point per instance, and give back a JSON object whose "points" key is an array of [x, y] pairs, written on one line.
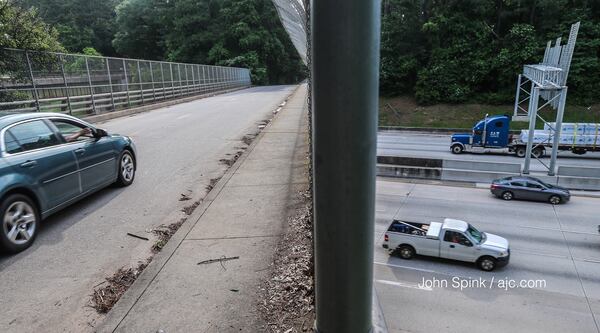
{"points": [[188, 210], [165, 232], [230, 161], [288, 296], [212, 183], [247, 139], [104, 298]]}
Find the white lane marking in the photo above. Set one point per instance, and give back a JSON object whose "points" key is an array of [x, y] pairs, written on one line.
{"points": [[405, 285], [183, 116], [407, 267]]}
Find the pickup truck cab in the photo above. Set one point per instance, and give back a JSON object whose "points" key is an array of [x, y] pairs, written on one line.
{"points": [[452, 239]]}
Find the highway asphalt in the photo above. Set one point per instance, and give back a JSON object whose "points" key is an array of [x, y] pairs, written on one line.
{"points": [[555, 249], [432, 145], [47, 288]]}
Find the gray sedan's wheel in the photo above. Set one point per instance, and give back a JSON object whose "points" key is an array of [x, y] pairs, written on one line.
{"points": [[19, 223], [126, 169], [406, 252], [457, 149], [554, 199], [487, 264], [507, 195]]}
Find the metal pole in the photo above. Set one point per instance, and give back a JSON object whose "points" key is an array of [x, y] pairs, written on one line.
{"points": [[126, 83], [112, 97], [87, 68], [203, 79], [345, 106], [152, 78], [35, 92], [140, 79], [557, 130], [162, 77], [518, 95], [172, 84], [533, 104], [62, 69], [179, 77], [187, 81], [193, 78]]}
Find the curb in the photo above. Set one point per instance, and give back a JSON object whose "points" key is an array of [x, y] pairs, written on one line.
{"points": [[121, 309], [149, 107]]}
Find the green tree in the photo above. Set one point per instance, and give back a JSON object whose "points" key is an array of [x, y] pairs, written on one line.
{"points": [[80, 23], [24, 29]]}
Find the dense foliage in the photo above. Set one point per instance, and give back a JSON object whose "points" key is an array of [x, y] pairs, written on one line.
{"points": [[470, 50], [244, 33], [24, 29], [80, 23]]}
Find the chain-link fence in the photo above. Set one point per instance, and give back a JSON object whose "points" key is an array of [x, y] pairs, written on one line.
{"points": [[83, 85]]}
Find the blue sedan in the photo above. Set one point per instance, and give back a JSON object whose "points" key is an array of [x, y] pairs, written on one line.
{"points": [[49, 161]]}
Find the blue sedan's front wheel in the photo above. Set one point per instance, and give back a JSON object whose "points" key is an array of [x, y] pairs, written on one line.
{"points": [[126, 169], [19, 223]]}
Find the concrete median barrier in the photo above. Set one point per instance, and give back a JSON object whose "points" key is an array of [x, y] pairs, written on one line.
{"points": [[510, 168]]}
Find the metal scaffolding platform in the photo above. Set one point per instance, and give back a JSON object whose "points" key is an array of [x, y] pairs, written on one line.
{"points": [[546, 80]]}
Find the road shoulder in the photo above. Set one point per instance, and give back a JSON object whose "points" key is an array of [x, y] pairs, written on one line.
{"points": [[240, 220]]}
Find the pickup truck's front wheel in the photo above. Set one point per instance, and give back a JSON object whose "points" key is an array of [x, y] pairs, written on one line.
{"points": [[406, 252], [487, 264]]}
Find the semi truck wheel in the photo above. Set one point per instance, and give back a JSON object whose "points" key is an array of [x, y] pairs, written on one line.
{"points": [[457, 149], [538, 152], [520, 151]]}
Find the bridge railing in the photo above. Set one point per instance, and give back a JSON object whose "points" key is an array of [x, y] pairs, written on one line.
{"points": [[82, 85]]}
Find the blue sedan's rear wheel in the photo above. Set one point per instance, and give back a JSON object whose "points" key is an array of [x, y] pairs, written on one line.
{"points": [[19, 223], [126, 169]]}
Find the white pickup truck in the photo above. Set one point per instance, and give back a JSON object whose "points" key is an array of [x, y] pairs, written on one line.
{"points": [[452, 239]]}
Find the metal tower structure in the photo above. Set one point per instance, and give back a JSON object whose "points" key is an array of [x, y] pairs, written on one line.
{"points": [[546, 80]]}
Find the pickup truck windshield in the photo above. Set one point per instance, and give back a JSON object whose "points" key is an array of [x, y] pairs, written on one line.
{"points": [[476, 234]]}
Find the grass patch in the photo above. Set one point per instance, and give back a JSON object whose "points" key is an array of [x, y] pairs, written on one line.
{"points": [[404, 111]]}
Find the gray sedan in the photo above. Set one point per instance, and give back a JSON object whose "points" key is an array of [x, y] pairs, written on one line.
{"points": [[47, 162], [529, 188]]}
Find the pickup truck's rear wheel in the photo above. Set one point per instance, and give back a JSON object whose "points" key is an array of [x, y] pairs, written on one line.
{"points": [[457, 149], [406, 252], [487, 264], [507, 195]]}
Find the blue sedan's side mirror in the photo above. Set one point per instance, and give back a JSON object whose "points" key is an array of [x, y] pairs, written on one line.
{"points": [[99, 133]]}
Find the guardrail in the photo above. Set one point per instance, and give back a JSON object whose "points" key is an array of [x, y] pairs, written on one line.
{"points": [[88, 85]]}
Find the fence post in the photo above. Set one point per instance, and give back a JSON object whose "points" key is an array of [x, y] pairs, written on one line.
{"points": [[35, 92], [203, 79], [162, 77], [152, 78], [62, 69], [172, 81], [193, 78], [112, 97], [187, 81], [179, 76], [126, 83], [140, 79], [87, 68]]}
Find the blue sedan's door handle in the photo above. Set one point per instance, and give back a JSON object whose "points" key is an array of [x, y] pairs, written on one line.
{"points": [[79, 151], [28, 164]]}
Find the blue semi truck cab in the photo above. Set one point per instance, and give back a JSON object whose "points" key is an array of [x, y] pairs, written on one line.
{"points": [[491, 134]]}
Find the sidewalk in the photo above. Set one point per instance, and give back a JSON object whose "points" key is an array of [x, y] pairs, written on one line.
{"points": [[243, 216]]}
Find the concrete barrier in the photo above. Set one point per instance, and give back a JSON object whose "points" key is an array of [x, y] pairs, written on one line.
{"points": [[400, 171], [511, 168], [410, 161], [578, 172], [473, 175]]}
